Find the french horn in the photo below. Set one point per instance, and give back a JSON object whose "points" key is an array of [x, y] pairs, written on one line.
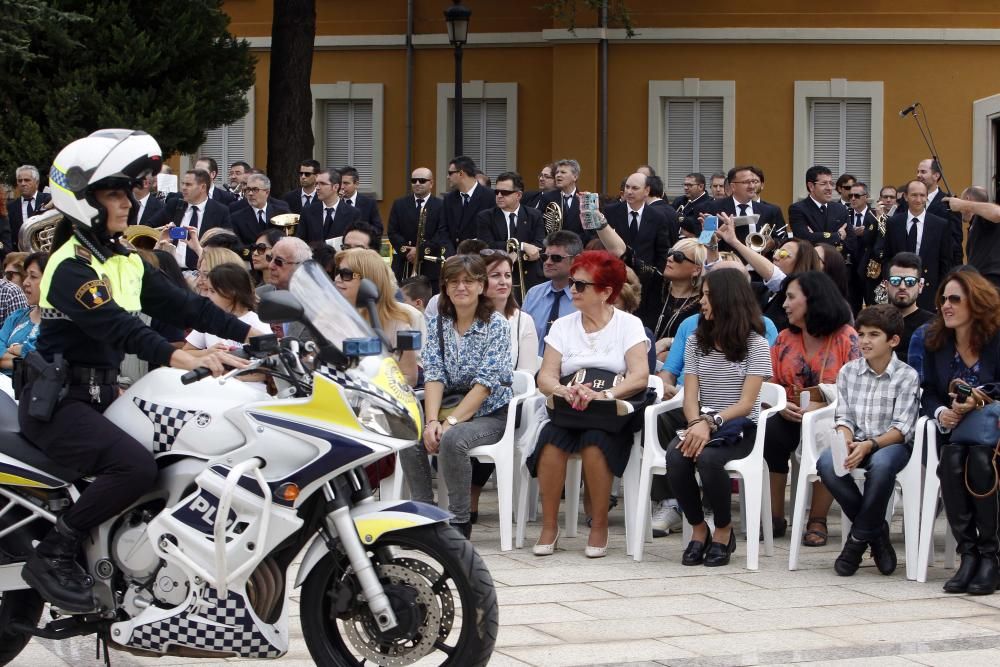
{"points": [[38, 231], [553, 217]]}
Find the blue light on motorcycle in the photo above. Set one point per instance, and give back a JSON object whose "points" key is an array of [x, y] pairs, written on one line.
{"points": [[362, 347]]}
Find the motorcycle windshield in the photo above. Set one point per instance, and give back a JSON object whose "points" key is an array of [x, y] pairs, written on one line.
{"points": [[325, 308]]}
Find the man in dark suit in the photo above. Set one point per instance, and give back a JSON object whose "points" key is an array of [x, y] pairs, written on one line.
{"points": [[695, 199], [546, 183], [252, 216], [819, 219], [647, 239], [744, 183], [915, 229], [349, 181], [27, 203], [328, 217], [510, 220], [304, 195], [564, 196], [929, 173], [864, 226], [212, 167], [404, 220], [149, 205], [464, 201], [655, 200], [194, 211]]}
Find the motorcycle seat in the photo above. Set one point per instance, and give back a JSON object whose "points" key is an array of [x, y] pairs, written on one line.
{"points": [[15, 445]]}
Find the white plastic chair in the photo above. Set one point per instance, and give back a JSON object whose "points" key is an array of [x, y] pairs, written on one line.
{"points": [[813, 423], [927, 430], [502, 454], [527, 488], [755, 484]]}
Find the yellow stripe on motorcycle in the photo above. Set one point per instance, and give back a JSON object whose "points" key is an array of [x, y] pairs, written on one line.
{"points": [[17, 480], [396, 516], [392, 380], [370, 529], [325, 405]]}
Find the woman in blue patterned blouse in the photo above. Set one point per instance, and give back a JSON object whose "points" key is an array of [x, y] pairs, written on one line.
{"points": [[467, 352], [20, 329]]}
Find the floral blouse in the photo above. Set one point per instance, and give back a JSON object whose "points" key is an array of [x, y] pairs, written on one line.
{"points": [[480, 356], [794, 369]]}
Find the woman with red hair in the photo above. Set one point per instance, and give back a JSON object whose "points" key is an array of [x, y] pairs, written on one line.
{"points": [[597, 336]]}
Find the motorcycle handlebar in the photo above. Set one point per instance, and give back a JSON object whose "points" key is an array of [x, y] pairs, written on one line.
{"points": [[195, 374]]}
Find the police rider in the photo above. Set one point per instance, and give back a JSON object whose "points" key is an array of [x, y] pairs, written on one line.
{"points": [[91, 294]]}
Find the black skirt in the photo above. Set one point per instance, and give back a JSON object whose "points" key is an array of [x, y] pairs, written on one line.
{"points": [[615, 446]]}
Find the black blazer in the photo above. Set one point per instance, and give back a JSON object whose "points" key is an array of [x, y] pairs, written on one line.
{"points": [[403, 223], [212, 215], [245, 223], [493, 227], [223, 196], [152, 210], [8, 233], [935, 251], [673, 224], [769, 215], [571, 216], [871, 245], [461, 221], [807, 222], [937, 207], [279, 205], [938, 375], [294, 200], [653, 242], [312, 225], [692, 209], [369, 211]]}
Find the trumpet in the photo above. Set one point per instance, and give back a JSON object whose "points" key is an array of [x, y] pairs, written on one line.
{"points": [[553, 217], [759, 241], [408, 270], [514, 246], [287, 221]]}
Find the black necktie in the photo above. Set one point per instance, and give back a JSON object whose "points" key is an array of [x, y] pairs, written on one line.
{"points": [[822, 209], [633, 227], [260, 218], [194, 217], [31, 208], [420, 205], [307, 202], [328, 220], [567, 202], [513, 225], [911, 236], [465, 199], [349, 202], [857, 219], [743, 209], [554, 310]]}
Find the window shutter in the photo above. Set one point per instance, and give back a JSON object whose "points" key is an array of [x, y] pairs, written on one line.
{"points": [[349, 139], [472, 130], [337, 133], [709, 137], [226, 145], [858, 139], [484, 134], [826, 132], [841, 136], [679, 118]]}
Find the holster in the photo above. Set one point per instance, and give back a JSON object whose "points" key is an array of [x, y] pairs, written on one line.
{"points": [[48, 384]]}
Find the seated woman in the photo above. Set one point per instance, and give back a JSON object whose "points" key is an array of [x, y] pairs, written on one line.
{"points": [[208, 260], [963, 343], [13, 267], [809, 353], [596, 336], [358, 263], [467, 354], [260, 252], [726, 362], [20, 329]]}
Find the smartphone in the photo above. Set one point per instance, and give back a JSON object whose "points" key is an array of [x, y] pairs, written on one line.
{"points": [[962, 393], [708, 229], [178, 234], [588, 206]]}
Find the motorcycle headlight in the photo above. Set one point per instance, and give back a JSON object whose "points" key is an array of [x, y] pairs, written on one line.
{"points": [[381, 416]]}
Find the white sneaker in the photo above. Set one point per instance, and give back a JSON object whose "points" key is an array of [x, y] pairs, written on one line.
{"points": [[666, 518]]}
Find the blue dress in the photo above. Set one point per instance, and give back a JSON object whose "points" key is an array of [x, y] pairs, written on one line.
{"points": [[18, 329]]}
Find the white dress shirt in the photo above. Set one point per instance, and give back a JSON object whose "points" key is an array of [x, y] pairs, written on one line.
{"points": [[920, 226]]}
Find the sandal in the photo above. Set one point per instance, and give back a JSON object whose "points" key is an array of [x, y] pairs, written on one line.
{"points": [[815, 537]]}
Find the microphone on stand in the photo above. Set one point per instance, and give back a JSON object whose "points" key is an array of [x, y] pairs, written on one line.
{"points": [[908, 110]]}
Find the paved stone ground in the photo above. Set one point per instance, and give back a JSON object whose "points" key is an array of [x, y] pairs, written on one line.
{"points": [[568, 610]]}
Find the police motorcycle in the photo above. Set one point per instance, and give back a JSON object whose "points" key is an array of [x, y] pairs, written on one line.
{"points": [[203, 564]]}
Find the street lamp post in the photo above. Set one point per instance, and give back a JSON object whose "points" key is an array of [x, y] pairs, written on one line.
{"points": [[457, 17]]}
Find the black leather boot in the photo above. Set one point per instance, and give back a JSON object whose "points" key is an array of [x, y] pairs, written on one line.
{"points": [[849, 560], [982, 478], [958, 509], [883, 553], [54, 572]]}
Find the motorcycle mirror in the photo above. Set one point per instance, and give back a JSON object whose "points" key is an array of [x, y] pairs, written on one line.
{"points": [[368, 296], [367, 292], [278, 307]]}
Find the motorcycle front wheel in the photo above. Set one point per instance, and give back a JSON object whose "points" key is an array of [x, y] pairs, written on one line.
{"points": [[441, 592]]}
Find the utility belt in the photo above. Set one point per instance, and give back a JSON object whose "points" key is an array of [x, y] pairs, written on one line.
{"points": [[53, 381]]}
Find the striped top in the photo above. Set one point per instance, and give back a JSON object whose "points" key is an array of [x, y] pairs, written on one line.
{"points": [[720, 381]]}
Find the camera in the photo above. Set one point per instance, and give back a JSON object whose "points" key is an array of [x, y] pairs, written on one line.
{"points": [[178, 234]]}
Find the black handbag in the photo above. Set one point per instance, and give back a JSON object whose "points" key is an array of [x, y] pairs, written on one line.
{"points": [[612, 416]]}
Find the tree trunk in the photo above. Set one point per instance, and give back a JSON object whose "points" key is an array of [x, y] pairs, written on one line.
{"points": [[289, 131]]}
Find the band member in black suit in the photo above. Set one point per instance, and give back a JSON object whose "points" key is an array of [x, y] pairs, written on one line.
{"points": [[28, 202], [645, 231], [916, 229], [564, 196], [349, 181], [251, 216], [509, 219], [329, 216], [465, 200], [404, 219], [929, 173], [695, 199], [819, 219], [745, 184], [546, 183], [304, 195], [656, 200], [870, 245], [239, 171], [194, 211], [149, 204], [212, 167]]}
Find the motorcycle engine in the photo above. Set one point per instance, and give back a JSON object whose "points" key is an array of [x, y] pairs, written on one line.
{"points": [[150, 580]]}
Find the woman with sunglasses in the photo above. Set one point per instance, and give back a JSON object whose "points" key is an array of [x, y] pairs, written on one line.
{"points": [[596, 336], [963, 343], [358, 263], [467, 354], [20, 328], [259, 252], [13, 267]]}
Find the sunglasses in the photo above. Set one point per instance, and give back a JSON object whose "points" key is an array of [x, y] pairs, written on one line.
{"points": [[493, 252], [679, 257], [909, 281], [251, 191], [419, 181], [555, 258], [260, 247], [307, 173], [347, 275], [781, 253], [953, 299], [855, 195], [279, 261], [9, 275], [579, 285], [505, 193]]}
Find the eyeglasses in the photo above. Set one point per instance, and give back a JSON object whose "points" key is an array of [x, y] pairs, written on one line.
{"points": [[251, 191], [307, 173], [579, 285], [546, 176], [953, 299], [823, 184], [752, 181], [10, 275], [679, 257], [260, 247], [505, 193], [347, 275], [781, 253], [855, 195], [555, 258], [452, 173], [420, 181], [279, 261], [909, 281]]}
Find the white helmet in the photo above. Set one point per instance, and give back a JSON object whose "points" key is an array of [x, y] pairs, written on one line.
{"points": [[107, 159]]}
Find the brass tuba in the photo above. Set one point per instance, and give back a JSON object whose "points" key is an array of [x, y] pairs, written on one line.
{"points": [[758, 241], [287, 221], [553, 217], [38, 231]]}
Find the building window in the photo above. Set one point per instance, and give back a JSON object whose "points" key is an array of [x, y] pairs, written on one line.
{"points": [[228, 144], [691, 129], [484, 136], [347, 127], [489, 126]]}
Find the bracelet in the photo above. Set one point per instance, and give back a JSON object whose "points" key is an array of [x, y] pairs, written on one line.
{"points": [[875, 446]]}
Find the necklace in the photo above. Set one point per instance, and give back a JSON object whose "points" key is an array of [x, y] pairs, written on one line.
{"points": [[670, 303], [591, 337]]}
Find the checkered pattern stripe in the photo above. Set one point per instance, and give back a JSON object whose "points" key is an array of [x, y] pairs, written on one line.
{"points": [[57, 176], [225, 626], [167, 423], [353, 383]]}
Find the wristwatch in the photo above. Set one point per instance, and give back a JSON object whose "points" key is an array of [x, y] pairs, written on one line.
{"points": [[716, 419], [608, 395], [874, 445], [451, 420]]}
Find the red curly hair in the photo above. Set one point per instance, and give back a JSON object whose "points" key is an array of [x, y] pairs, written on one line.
{"points": [[984, 307], [605, 269]]}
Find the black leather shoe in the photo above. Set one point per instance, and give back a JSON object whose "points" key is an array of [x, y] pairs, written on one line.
{"points": [[966, 571], [718, 554], [473, 517], [849, 560], [987, 578], [695, 552], [464, 528], [883, 553], [55, 574]]}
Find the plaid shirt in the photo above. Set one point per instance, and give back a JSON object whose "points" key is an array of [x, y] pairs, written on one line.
{"points": [[11, 299], [870, 404]]}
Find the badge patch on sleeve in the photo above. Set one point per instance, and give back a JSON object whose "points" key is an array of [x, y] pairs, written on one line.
{"points": [[93, 294]]}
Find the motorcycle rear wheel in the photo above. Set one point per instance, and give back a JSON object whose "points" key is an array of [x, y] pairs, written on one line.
{"points": [[24, 606], [448, 598]]}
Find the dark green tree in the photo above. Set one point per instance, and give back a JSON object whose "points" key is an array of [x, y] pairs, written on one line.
{"points": [[170, 68]]}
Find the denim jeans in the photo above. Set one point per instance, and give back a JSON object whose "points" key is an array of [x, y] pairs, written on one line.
{"points": [[453, 459], [866, 510]]}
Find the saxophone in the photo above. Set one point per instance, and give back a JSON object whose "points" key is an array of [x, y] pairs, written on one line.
{"points": [[874, 269], [413, 270]]}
